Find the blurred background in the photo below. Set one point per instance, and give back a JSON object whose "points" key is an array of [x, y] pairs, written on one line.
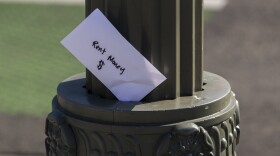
{"points": [[242, 42]]}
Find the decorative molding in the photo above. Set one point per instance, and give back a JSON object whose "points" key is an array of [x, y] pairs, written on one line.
{"points": [[219, 139], [186, 140], [60, 139], [137, 147], [108, 144], [116, 144], [227, 134], [101, 148], [237, 121], [225, 140]]}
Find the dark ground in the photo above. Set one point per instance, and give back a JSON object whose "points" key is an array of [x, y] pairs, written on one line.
{"points": [[242, 44]]}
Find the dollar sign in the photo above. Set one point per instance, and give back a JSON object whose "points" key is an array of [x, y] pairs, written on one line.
{"points": [[100, 65]]}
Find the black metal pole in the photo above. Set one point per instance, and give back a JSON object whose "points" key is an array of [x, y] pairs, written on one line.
{"points": [[164, 36]]}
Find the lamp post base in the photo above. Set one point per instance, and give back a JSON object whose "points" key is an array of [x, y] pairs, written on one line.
{"points": [[205, 124]]}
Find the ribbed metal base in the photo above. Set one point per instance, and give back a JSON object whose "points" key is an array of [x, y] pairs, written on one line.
{"points": [[86, 125]]}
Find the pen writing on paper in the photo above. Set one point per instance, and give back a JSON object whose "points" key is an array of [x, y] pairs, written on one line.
{"points": [[95, 44], [111, 58], [100, 65]]}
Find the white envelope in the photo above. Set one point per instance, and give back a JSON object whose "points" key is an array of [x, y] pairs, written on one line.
{"points": [[98, 45]]}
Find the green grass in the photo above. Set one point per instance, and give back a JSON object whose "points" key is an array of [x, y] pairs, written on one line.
{"points": [[32, 61]]}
